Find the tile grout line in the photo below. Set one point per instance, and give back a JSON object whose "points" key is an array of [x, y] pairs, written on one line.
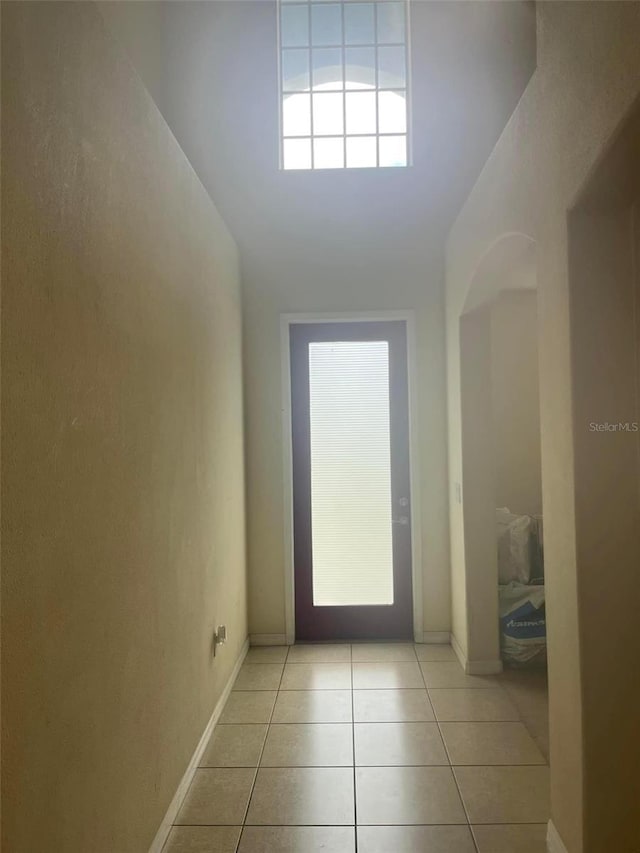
{"points": [[342, 825], [264, 743], [270, 724], [348, 766], [455, 780], [353, 747]]}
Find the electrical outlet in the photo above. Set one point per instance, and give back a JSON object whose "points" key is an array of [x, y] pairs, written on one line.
{"points": [[219, 637]]}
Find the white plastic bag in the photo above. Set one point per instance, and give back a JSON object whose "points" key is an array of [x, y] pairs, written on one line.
{"points": [[514, 546], [523, 624]]}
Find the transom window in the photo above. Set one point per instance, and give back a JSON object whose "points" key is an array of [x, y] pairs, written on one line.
{"points": [[343, 84]]}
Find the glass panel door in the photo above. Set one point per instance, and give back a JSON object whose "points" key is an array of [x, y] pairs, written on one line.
{"points": [[350, 473], [352, 532]]}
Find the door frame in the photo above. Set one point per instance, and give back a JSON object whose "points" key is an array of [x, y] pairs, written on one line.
{"points": [[287, 320]]}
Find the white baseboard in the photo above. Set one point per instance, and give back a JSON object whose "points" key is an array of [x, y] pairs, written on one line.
{"points": [[475, 667], [483, 667], [165, 827], [555, 844], [462, 658], [268, 640], [441, 638]]}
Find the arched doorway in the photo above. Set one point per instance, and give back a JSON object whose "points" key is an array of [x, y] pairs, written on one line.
{"points": [[502, 479]]}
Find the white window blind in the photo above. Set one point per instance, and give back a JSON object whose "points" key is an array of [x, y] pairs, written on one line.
{"points": [[350, 473]]}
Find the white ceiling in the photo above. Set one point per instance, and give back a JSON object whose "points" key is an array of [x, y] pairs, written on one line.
{"points": [[471, 62]]}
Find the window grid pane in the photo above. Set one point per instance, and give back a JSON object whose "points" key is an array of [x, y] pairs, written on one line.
{"points": [[377, 80], [342, 49], [344, 83], [295, 70]]}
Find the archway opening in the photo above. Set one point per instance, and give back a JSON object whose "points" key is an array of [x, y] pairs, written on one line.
{"points": [[502, 478]]}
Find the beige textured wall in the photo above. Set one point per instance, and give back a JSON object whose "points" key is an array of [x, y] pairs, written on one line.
{"points": [[516, 402], [1, 280], [605, 289], [139, 25], [122, 461], [478, 475], [587, 55]]}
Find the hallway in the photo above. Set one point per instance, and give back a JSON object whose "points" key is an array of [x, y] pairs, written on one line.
{"points": [[311, 312], [443, 760]]}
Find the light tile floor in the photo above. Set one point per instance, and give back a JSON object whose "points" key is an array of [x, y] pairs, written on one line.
{"points": [[371, 748]]}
